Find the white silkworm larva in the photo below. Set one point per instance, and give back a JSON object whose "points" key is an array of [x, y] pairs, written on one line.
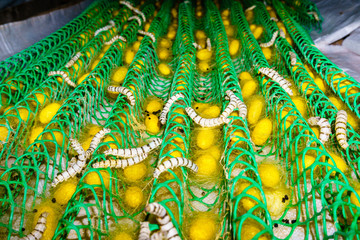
{"points": [[76, 168], [136, 18], [140, 13], [64, 76], [125, 91], [340, 128], [167, 106], [132, 152], [205, 122], [272, 40], [208, 44], [325, 128], [197, 46], [275, 76], [96, 140], [240, 104], [144, 233], [175, 162], [117, 37], [250, 8], [120, 163], [274, 19], [316, 16], [73, 60], [163, 219], [149, 34], [126, 3], [39, 229], [107, 27], [282, 34], [159, 235], [77, 146], [292, 58]]}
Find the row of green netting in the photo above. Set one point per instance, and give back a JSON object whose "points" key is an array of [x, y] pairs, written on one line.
{"points": [[127, 74]]}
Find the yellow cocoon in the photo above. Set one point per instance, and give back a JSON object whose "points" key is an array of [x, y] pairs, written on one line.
{"points": [[256, 107], [234, 47], [4, 131], [164, 69], [205, 138], [51, 220], [261, 132], [35, 132], [246, 203], [200, 34], [49, 112], [135, 172], [165, 43], [129, 56], [267, 53], [248, 88], [203, 227], [277, 200], [204, 66], [163, 54], [64, 192], [93, 178], [300, 104], [134, 196], [244, 76], [119, 75], [154, 105], [269, 175], [339, 162], [210, 112], [208, 166], [122, 236], [337, 102], [82, 78], [152, 124], [203, 54], [250, 229]]}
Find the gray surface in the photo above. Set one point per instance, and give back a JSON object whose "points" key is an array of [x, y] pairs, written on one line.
{"points": [[16, 36]]}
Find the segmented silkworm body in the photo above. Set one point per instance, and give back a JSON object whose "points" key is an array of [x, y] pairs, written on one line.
{"points": [[208, 44], [39, 229], [282, 34], [144, 233], [64, 76], [250, 8], [140, 13], [128, 4], [340, 128], [73, 60], [274, 19], [76, 168], [77, 146], [167, 106], [136, 18], [175, 162], [205, 122], [107, 27], [240, 104], [96, 140], [197, 46], [325, 128], [117, 37], [125, 91], [292, 58], [159, 235], [316, 16], [120, 163], [276, 77], [272, 40], [149, 34], [164, 220], [132, 152]]}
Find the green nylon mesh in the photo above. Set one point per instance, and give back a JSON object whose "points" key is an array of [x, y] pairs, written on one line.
{"points": [[320, 194]]}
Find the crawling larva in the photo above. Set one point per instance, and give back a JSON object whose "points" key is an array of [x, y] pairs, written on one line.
{"points": [[282, 33], [240, 104], [274, 19], [316, 16], [275, 76], [197, 46], [159, 235], [250, 8], [125, 91], [164, 220], [167, 106], [121, 163], [64, 76], [107, 27], [73, 60], [96, 140], [132, 152], [76, 168], [140, 13], [208, 44], [39, 229], [77, 146], [144, 231], [272, 40], [325, 128], [175, 162], [136, 18], [292, 58], [149, 34], [205, 122], [340, 128], [115, 38]]}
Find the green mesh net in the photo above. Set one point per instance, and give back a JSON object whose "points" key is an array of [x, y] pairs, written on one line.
{"points": [[61, 89]]}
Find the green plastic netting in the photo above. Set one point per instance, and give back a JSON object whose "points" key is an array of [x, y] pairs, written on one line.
{"points": [[317, 197]]}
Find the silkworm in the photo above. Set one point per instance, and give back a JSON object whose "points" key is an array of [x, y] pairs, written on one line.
{"points": [[340, 128], [144, 231], [159, 235], [77, 146], [197, 46], [74, 169], [274, 19], [39, 229], [282, 34], [121, 163], [175, 162], [316, 16], [250, 8], [205, 122], [125, 91], [73, 60], [136, 18], [117, 37], [140, 13], [96, 140], [272, 40], [240, 104], [275, 76], [325, 128], [132, 152], [107, 27], [208, 44], [149, 34], [167, 106], [126, 3], [292, 58], [164, 220], [64, 76]]}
